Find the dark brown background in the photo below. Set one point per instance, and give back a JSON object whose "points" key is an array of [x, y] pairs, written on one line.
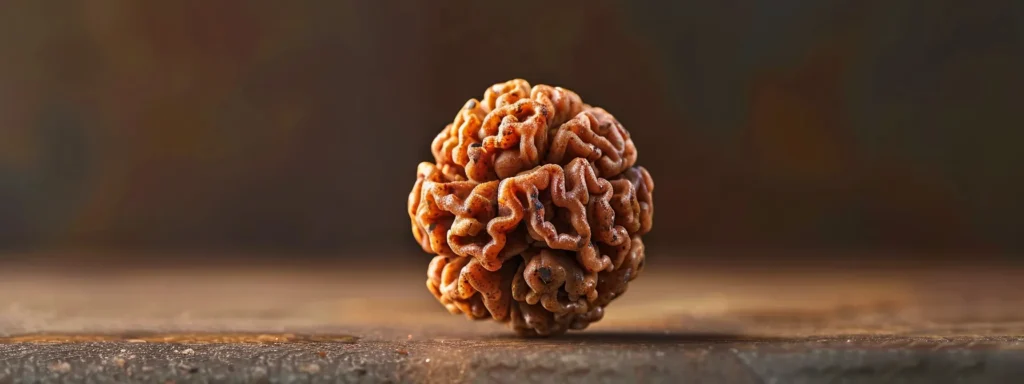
{"points": [[298, 125]]}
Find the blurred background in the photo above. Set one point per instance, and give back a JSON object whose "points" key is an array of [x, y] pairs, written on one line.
{"points": [[296, 128]]}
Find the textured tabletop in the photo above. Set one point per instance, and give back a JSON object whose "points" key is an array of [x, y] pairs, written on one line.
{"points": [[109, 319]]}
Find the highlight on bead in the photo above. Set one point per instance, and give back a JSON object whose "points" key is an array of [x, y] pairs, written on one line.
{"points": [[534, 209]]}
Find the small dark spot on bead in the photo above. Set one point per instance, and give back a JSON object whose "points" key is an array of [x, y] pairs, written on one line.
{"points": [[475, 145], [545, 274], [537, 205], [431, 227]]}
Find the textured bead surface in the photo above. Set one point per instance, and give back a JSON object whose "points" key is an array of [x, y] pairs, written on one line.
{"points": [[534, 208]]}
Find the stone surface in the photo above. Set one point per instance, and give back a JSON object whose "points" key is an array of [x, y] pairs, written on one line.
{"points": [[63, 320]]}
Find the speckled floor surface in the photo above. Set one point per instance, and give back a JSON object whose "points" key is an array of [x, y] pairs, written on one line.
{"points": [[71, 319]]}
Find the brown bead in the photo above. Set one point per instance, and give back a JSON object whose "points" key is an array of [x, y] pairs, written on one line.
{"points": [[534, 208]]}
